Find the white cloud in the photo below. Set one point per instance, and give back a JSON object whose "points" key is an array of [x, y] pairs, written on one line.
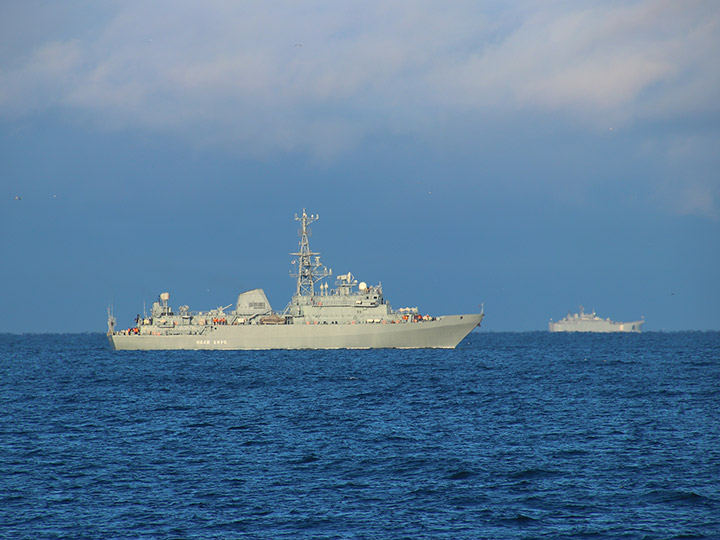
{"points": [[319, 75], [365, 56]]}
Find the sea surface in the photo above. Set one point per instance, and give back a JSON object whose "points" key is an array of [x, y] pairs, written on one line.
{"points": [[511, 435]]}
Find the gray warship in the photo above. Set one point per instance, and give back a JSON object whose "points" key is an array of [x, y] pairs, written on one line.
{"points": [[590, 322], [351, 316]]}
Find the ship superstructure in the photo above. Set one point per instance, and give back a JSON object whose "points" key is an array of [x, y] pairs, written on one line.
{"points": [[590, 322], [352, 315]]}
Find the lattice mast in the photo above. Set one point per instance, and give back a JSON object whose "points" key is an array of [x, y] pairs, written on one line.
{"points": [[308, 270]]}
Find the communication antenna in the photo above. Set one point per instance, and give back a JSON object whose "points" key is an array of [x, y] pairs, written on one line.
{"points": [[309, 267]]}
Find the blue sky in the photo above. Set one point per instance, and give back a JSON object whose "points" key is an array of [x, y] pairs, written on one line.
{"points": [[533, 156]]}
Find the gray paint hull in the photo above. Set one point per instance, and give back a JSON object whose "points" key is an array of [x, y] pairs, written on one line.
{"points": [[444, 332], [602, 326]]}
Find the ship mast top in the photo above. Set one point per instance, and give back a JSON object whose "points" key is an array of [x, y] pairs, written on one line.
{"points": [[309, 270]]}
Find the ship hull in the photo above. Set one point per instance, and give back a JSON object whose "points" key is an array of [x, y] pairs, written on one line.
{"points": [[443, 332], [602, 327]]}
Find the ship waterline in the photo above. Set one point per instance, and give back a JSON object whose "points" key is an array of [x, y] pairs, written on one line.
{"points": [[351, 316]]}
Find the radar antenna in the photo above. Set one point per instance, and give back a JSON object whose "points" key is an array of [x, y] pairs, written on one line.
{"points": [[309, 268]]}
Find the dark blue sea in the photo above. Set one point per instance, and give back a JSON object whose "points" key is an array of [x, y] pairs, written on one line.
{"points": [[511, 435]]}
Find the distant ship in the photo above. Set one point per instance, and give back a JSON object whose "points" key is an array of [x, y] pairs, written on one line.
{"points": [[351, 316], [584, 322]]}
